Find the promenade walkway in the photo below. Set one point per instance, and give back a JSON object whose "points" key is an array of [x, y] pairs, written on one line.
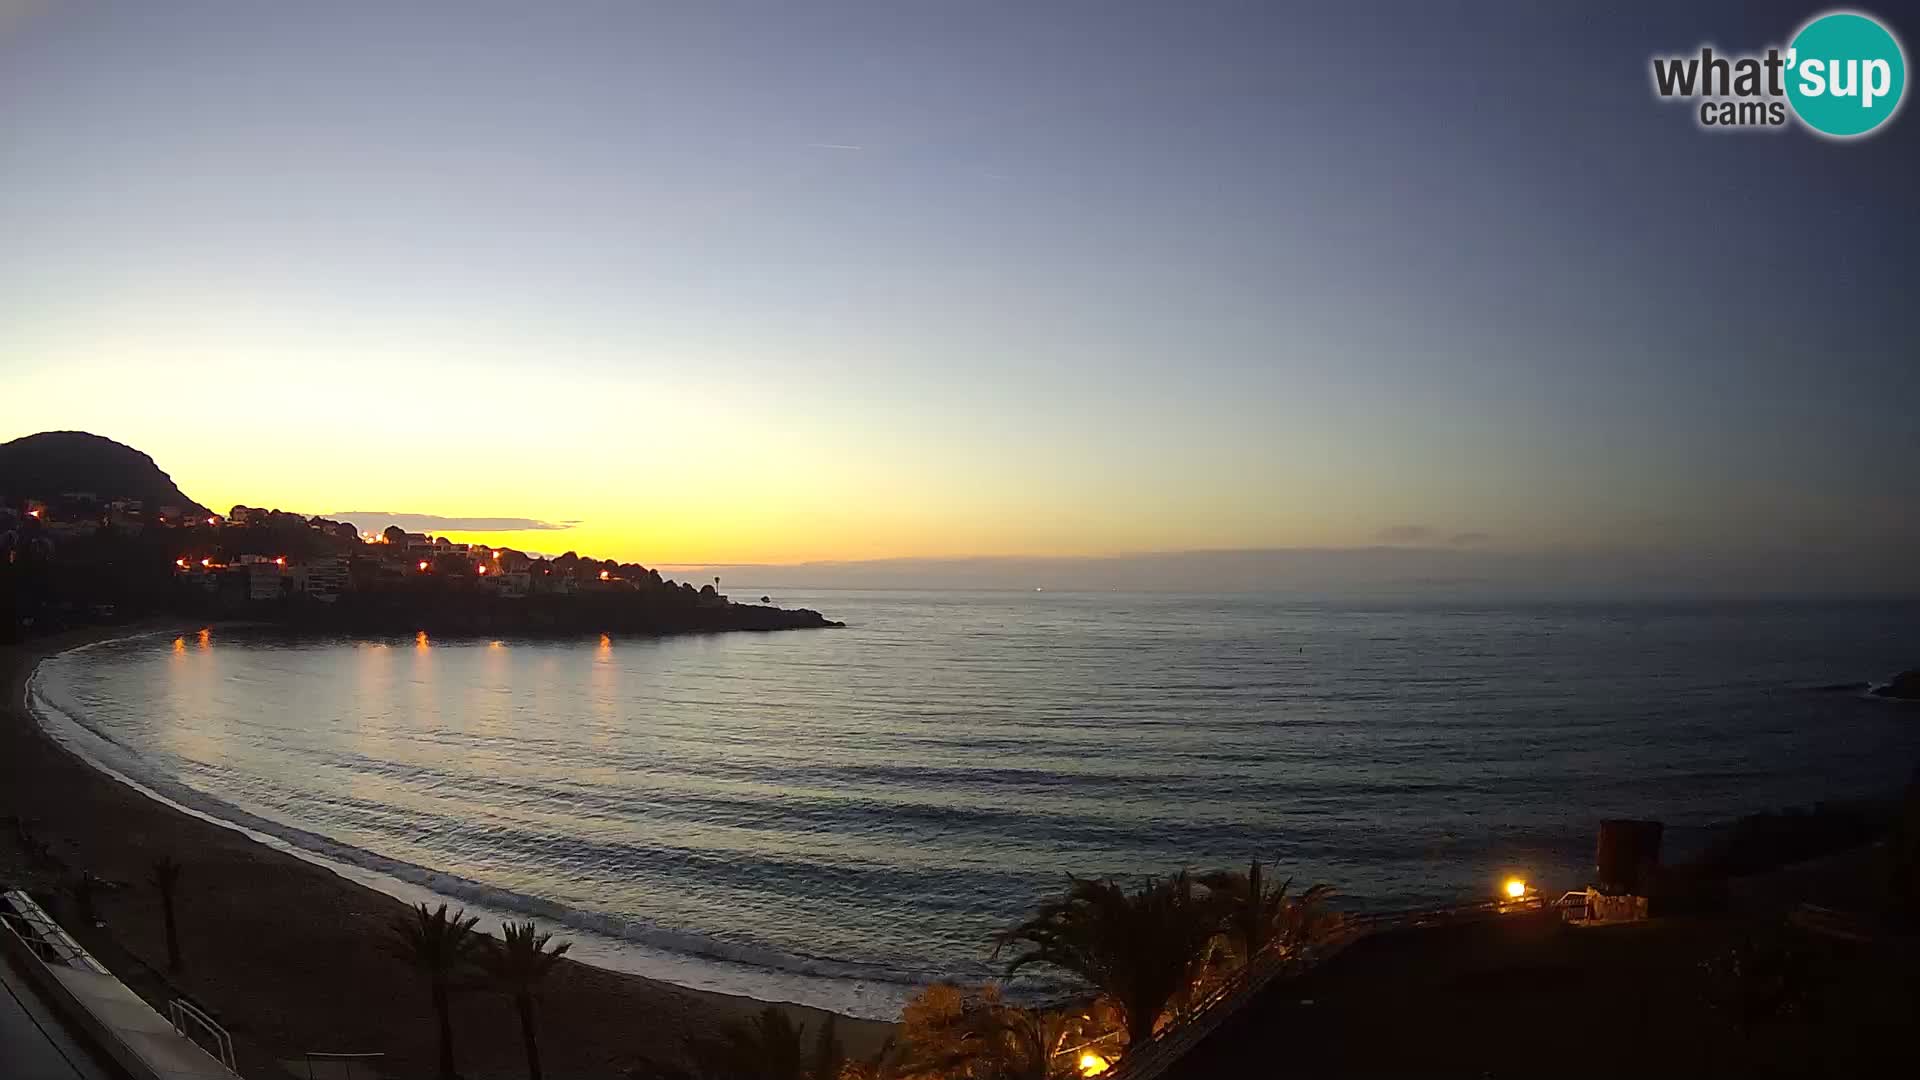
{"points": [[50, 976], [34, 1043]]}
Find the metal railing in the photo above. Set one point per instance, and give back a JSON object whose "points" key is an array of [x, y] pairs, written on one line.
{"points": [[348, 1061], [38, 932], [1200, 1020], [182, 1013]]}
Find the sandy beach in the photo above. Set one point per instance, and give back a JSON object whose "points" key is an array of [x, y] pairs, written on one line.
{"points": [[288, 955]]}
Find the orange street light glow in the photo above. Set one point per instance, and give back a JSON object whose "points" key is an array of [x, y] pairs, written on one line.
{"points": [[480, 568], [206, 562], [1092, 1064], [281, 561], [1516, 888], [423, 566]]}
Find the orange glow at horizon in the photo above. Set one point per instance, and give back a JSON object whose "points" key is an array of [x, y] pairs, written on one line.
{"points": [[768, 495]]}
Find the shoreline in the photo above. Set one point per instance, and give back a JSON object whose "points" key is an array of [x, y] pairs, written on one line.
{"points": [[322, 981], [686, 960]]}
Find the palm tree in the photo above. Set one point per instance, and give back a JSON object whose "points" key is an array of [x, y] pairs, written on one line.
{"points": [[829, 1057], [1255, 916], [767, 1047], [166, 878], [516, 964], [981, 1037], [83, 897], [442, 947], [1142, 950]]}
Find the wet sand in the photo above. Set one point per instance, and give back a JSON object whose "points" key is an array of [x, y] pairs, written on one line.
{"points": [[288, 955]]}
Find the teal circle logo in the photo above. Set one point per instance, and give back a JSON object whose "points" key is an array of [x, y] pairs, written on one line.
{"points": [[1845, 74]]}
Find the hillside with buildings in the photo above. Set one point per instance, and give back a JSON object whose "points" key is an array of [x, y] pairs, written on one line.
{"points": [[74, 472], [93, 531]]}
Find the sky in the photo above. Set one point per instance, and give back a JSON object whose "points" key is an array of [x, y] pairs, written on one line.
{"points": [[727, 283]]}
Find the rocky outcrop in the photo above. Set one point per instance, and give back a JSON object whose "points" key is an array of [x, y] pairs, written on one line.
{"points": [[1904, 687]]}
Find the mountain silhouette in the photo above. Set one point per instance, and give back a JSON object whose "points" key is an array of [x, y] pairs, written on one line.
{"points": [[53, 463]]}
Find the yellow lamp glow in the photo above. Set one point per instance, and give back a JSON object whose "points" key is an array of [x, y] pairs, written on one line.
{"points": [[1092, 1064], [1516, 888]]}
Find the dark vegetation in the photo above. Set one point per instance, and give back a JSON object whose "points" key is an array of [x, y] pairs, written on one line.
{"points": [[1770, 839], [516, 963], [1904, 686], [445, 951], [166, 881], [454, 959], [1143, 956]]}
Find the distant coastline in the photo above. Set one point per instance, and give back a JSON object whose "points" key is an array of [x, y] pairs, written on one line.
{"points": [[92, 533], [474, 615]]}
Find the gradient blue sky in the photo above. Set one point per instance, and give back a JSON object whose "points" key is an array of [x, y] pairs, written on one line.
{"points": [[774, 282]]}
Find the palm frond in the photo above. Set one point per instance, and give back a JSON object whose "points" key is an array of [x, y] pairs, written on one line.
{"points": [[521, 958], [441, 945], [1141, 949], [767, 1047]]}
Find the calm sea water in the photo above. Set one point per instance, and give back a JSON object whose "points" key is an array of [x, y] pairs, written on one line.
{"points": [[833, 816]]}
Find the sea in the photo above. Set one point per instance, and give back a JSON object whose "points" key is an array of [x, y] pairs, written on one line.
{"points": [[837, 817]]}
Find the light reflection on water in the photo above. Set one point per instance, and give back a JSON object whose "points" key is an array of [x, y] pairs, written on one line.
{"points": [[894, 793]]}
